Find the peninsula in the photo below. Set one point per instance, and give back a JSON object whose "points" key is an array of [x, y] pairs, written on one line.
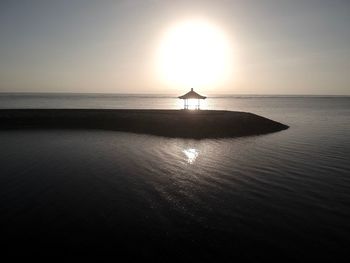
{"points": [[197, 124]]}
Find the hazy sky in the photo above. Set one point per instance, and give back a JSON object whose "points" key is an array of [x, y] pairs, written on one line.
{"points": [[281, 47]]}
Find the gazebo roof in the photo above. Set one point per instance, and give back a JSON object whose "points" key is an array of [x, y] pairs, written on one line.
{"points": [[192, 95]]}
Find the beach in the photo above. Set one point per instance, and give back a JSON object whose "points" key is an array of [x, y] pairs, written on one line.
{"points": [[198, 124]]}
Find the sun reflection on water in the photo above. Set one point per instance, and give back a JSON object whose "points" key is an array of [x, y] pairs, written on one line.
{"points": [[191, 155]]}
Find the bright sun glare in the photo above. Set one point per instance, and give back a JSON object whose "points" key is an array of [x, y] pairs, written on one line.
{"points": [[194, 54]]}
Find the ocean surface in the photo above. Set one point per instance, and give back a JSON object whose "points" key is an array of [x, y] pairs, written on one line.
{"points": [[284, 195]]}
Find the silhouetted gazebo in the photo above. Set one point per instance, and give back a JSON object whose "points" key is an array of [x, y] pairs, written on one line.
{"points": [[192, 95]]}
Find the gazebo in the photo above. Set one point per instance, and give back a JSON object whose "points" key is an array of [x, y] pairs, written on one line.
{"points": [[192, 95]]}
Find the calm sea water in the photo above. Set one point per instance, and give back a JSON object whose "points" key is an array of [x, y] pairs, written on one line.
{"points": [[283, 194]]}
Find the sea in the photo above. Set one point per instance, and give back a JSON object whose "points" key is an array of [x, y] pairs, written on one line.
{"points": [[284, 195]]}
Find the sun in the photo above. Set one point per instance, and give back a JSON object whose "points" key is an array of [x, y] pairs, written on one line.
{"points": [[194, 53]]}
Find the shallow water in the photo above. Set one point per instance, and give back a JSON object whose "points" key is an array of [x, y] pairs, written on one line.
{"points": [[286, 193]]}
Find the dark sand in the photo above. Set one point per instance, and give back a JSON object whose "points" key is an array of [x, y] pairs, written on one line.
{"points": [[169, 123]]}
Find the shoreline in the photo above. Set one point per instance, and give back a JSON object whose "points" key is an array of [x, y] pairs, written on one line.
{"points": [[195, 124]]}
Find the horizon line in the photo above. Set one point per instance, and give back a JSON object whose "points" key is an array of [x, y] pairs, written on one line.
{"points": [[173, 94]]}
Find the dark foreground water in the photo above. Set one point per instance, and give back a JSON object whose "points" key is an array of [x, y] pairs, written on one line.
{"points": [[284, 195]]}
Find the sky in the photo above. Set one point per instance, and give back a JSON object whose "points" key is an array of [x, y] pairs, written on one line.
{"points": [[104, 46]]}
